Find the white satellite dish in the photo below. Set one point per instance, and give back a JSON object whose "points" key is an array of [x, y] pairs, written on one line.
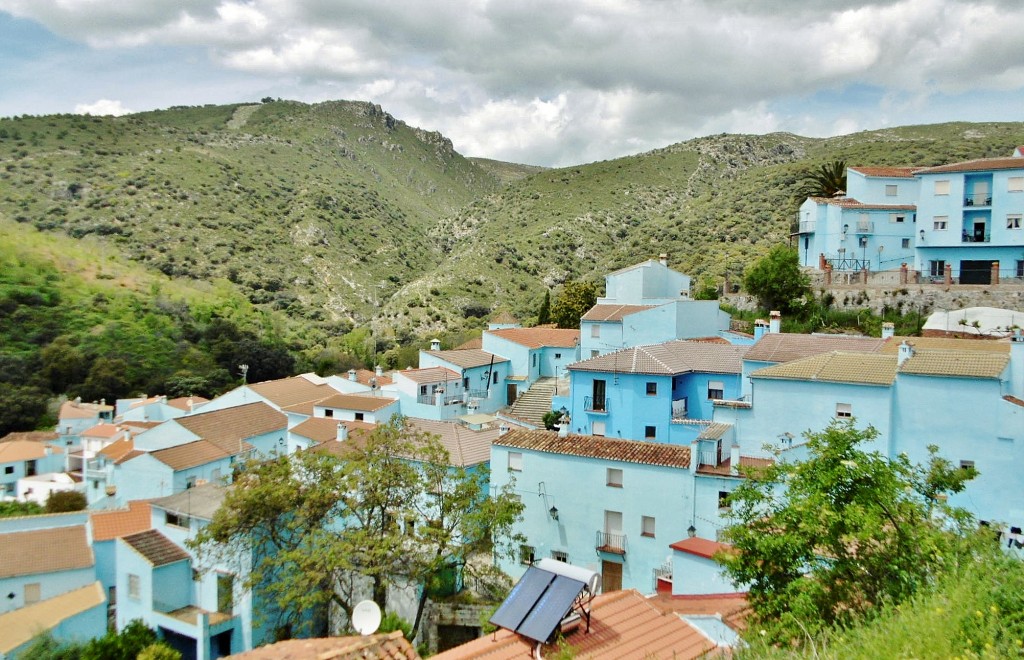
{"points": [[366, 617]]}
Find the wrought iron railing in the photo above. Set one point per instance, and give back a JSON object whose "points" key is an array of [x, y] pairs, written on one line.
{"points": [[614, 543], [595, 404], [979, 199]]}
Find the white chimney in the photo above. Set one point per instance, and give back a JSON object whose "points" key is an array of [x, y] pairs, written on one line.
{"points": [[435, 344], [775, 322], [906, 352], [503, 429], [379, 370], [342, 433], [734, 458], [888, 330], [563, 430], [663, 259], [760, 328], [352, 374]]}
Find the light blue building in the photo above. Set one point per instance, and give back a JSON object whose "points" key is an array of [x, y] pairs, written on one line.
{"points": [[255, 423], [533, 353], [480, 384]]}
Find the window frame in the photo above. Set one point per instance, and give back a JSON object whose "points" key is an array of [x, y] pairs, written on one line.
{"points": [[942, 187], [892, 190], [648, 530], [720, 390], [940, 223], [844, 410], [1014, 221], [134, 586], [560, 555], [610, 477], [650, 432], [527, 554], [652, 388], [515, 461], [1015, 184], [723, 500]]}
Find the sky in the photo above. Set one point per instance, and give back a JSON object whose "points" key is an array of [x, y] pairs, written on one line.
{"points": [[553, 82]]}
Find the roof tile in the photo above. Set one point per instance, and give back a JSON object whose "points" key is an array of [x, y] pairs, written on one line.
{"points": [[108, 525], [227, 428], [44, 551], [156, 548], [837, 367], [356, 402], [783, 347], [963, 364], [977, 165], [468, 358], [613, 313], [670, 358], [539, 337], [590, 446]]}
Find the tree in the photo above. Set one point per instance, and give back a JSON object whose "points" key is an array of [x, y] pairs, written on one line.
{"points": [[572, 303], [60, 501], [828, 540], [777, 281], [382, 508], [823, 181], [21, 407], [544, 313]]}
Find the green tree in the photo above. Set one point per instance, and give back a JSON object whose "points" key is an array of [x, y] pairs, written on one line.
{"points": [[826, 541], [777, 281], [21, 407], [107, 379], [824, 180], [60, 501], [572, 303], [544, 313]]}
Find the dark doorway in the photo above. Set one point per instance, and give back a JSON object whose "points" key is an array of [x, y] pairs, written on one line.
{"points": [[183, 644], [975, 272], [220, 644], [611, 576], [448, 637], [510, 394]]}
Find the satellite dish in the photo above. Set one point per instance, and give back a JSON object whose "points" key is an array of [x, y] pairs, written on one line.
{"points": [[366, 617]]}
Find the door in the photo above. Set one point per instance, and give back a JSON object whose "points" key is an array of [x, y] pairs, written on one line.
{"points": [[611, 576], [599, 391], [613, 530], [979, 232], [510, 394], [980, 195], [975, 272]]}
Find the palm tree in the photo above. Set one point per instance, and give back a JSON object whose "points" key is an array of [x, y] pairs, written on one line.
{"points": [[824, 181]]}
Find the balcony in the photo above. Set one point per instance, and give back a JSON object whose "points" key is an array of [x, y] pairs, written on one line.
{"points": [[865, 227], [976, 237], [595, 404], [978, 199], [613, 543], [808, 226]]}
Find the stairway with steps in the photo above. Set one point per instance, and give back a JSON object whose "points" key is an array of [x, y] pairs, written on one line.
{"points": [[531, 406]]}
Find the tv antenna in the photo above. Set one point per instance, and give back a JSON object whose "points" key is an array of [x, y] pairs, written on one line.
{"points": [[366, 617]]}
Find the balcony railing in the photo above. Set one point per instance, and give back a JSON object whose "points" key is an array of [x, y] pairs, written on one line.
{"points": [[664, 572], [865, 227], [613, 543], [595, 404], [968, 237], [979, 199], [808, 226]]}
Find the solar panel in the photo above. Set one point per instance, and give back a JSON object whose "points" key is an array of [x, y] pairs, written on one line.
{"points": [[522, 598], [550, 609]]}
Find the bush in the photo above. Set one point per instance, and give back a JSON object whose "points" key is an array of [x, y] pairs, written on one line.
{"points": [[61, 501]]}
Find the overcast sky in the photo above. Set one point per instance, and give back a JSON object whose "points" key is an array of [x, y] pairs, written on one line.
{"points": [[553, 82]]}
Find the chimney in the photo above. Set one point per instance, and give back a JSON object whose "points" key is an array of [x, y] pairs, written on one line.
{"points": [[563, 430], [775, 322], [352, 374], [435, 344], [906, 352], [342, 433], [760, 329], [503, 429], [663, 259], [191, 405], [378, 370], [888, 330], [734, 458]]}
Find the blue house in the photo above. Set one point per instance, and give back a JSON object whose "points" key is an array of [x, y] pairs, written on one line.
{"points": [[533, 353], [26, 458], [482, 375], [257, 424]]}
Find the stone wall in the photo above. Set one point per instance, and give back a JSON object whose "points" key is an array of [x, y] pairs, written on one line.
{"points": [[451, 614]]}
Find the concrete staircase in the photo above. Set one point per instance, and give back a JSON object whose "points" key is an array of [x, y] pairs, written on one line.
{"points": [[531, 406]]}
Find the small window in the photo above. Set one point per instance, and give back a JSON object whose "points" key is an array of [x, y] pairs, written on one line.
{"points": [[1015, 184], [515, 461], [328, 412], [1013, 221], [526, 554], [465, 383], [560, 555], [594, 353], [898, 218], [133, 586], [190, 483], [597, 428], [423, 390], [595, 330], [967, 464], [891, 190], [360, 416], [937, 268], [196, 575], [614, 477], [647, 526], [942, 187], [716, 389], [177, 520], [940, 222], [9, 469], [533, 360], [723, 500], [844, 410], [905, 243], [495, 377], [652, 389], [650, 432], [558, 356], [1020, 268]]}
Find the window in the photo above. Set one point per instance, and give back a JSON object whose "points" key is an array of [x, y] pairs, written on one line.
{"points": [[196, 575], [190, 483], [533, 360], [225, 593], [898, 218], [1015, 184], [32, 593], [328, 412], [652, 389], [9, 469], [942, 187], [359, 416], [176, 519], [595, 330], [423, 390], [30, 468], [133, 586], [597, 428], [723, 500], [558, 356], [967, 464], [515, 461], [594, 353], [1013, 221], [1020, 268], [495, 377], [891, 190], [844, 410], [940, 222], [650, 432], [560, 555], [905, 243], [526, 554], [937, 268], [716, 389], [614, 477], [465, 383], [647, 526]]}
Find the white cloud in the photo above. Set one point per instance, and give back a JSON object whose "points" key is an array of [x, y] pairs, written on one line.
{"points": [[102, 107]]}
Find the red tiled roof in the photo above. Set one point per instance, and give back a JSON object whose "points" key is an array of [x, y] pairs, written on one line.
{"points": [[539, 337], [475, 342], [364, 376], [732, 608], [467, 358], [382, 646], [182, 402], [30, 436], [1014, 400], [592, 446], [887, 172], [82, 410], [851, 203], [25, 450], [227, 428], [107, 525], [701, 547], [785, 346], [191, 454], [156, 548], [322, 429], [724, 468], [504, 318], [102, 431], [465, 446], [44, 551], [429, 375], [117, 450], [292, 391], [670, 358], [613, 313], [624, 626], [977, 165], [356, 402]]}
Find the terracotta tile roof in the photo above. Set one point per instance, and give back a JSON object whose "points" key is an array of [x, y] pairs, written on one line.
{"points": [[465, 446], [962, 364], [21, 625], [476, 342], [145, 402], [836, 367], [382, 646], [134, 453], [139, 426], [701, 547], [182, 402], [978, 165], [670, 358], [199, 502], [356, 402], [117, 450], [714, 431], [429, 375], [291, 391], [724, 469], [31, 436], [108, 525], [192, 454], [468, 358], [613, 313], [643, 264], [82, 410], [156, 548], [892, 346], [732, 608], [44, 551], [228, 427], [25, 450], [783, 347], [851, 203], [624, 626], [102, 431], [887, 172], [322, 429], [364, 376], [592, 446], [539, 337]]}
